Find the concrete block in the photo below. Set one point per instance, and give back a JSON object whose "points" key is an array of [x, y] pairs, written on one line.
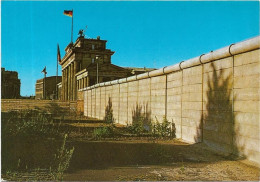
{"points": [[174, 76], [195, 97], [192, 80], [247, 119], [173, 99], [218, 65], [174, 106], [251, 81], [158, 92], [175, 83], [218, 95], [191, 123], [247, 58], [244, 143], [247, 70], [173, 112], [225, 138], [247, 94], [190, 72], [192, 114], [158, 86], [218, 77], [246, 106], [214, 116], [248, 131], [174, 91], [191, 134], [192, 88], [222, 105], [192, 106], [158, 79]]}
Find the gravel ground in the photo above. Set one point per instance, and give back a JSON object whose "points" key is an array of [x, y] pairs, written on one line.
{"points": [[186, 163]]}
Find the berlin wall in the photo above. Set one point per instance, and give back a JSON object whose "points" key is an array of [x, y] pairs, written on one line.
{"points": [[213, 98]]}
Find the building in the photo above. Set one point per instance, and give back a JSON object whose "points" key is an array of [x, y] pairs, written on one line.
{"points": [[10, 84], [50, 89], [87, 62]]}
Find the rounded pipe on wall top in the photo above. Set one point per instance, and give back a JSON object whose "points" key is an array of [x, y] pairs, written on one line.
{"points": [[173, 68], [190, 63], [131, 78], [102, 84], [107, 83], [245, 46], [142, 76], [122, 80], [180, 65], [114, 82], [156, 72]]}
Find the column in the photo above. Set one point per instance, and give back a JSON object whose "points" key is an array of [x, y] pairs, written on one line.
{"points": [[75, 79], [87, 81], [62, 86], [69, 77], [66, 83], [72, 81]]}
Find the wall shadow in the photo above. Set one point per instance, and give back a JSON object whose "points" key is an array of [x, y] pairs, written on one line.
{"points": [[218, 118], [109, 117]]}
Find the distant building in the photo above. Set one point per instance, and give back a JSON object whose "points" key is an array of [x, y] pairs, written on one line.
{"points": [[50, 87], [10, 84], [88, 62]]}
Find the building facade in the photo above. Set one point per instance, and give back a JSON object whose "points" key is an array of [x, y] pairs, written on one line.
{"points": [[46, 88], [87, 62], [10, 84]]}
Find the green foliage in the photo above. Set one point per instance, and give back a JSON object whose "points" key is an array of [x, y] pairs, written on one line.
{"points": [[162, 129], [109, 118], [28, 123], [62, 160], [103, 132], [140, 120]]}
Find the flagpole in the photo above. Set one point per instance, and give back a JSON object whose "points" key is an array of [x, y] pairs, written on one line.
{"points": [[72, 28], [44, 86], [57, 74]]}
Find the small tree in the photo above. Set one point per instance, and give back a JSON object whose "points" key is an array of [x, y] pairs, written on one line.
{"points": [[109, 118]]}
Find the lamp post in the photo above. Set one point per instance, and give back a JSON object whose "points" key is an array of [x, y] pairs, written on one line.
{"points": [[97, 58]]}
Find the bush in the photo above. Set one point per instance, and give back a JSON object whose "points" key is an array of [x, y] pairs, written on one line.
{"points": [[103, 132], [28, 123], [162, 129], [62, 160], [141, 120]]}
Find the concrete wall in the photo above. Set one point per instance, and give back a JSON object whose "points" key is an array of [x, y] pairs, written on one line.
{"points": [[213, 98]]}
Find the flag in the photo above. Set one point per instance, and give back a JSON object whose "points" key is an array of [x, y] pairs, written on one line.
{"points": [[58, 54], [68, 13], [44, 70]]}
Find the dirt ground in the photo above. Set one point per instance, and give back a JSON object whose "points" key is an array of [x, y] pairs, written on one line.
{"points": [[145, 160]]}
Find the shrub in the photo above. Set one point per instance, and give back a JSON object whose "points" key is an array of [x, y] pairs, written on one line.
{"points": [[62, 160], [141, 120], [162, 129], [103, 132], [28, 123]]}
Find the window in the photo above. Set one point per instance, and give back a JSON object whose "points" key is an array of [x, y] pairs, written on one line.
{"points": [[93, 46], [93, 60]]}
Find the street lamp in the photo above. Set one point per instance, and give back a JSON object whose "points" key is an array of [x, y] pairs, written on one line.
{"points": [[97, 58]]}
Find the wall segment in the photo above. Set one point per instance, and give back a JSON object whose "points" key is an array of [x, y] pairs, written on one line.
{"points": [[213, 98]]}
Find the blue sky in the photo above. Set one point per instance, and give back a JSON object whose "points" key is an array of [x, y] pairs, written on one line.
{"points": [[142, 34]]}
